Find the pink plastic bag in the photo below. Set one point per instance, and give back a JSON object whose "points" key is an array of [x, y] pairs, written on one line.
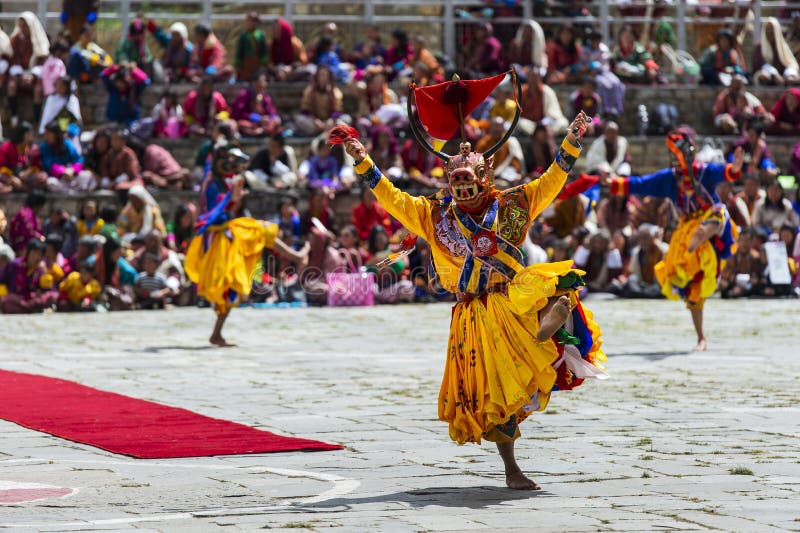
{"points": [[346, 290]]}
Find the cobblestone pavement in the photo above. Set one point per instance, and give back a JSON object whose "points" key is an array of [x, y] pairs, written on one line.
{"points": [[673, 441]]}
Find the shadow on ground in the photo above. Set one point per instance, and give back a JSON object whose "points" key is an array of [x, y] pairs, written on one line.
{"points": [[464, 497]]}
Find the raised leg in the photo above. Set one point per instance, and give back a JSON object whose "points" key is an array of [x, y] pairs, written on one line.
{"points": [[515, 479], [552, 317]]}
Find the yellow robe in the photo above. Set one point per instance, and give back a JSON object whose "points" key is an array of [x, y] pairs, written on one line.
{"points": [[227, 264], [494, 365]]}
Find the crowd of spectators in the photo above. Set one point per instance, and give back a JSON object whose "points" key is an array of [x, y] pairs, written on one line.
{"points": [[126, 254]]}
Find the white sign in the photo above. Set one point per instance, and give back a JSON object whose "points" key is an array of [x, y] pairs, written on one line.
{"points": [[777, 263]]}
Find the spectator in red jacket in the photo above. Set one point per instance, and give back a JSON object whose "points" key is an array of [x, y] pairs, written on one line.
{"points": [[369, 214], [208, 56]]}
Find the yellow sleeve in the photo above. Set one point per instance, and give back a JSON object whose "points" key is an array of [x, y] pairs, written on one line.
{"points": [[413, 212], [66, 285], [46, 282], [543, 191], [270, 234]]}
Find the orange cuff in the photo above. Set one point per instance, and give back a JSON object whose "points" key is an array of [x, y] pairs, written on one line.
{"points": [[620, 187], [730, 175]]}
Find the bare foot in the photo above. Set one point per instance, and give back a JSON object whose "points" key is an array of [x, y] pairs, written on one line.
{"points": [[553, 319], [701, 345], [219, 341], [519, 481]]}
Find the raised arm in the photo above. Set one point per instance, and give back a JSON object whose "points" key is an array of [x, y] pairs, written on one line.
{"points": [[543, 191], [413, 212]]}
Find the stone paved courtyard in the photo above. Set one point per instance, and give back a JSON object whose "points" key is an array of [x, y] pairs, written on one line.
{"points": [[673, 441]]}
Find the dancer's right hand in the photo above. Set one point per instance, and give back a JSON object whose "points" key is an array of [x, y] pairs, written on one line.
{"points": [[355, 149]]}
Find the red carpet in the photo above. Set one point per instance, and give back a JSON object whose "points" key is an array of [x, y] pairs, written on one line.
{"points": [[130, 426]]}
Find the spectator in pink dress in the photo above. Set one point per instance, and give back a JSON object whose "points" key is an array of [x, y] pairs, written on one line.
{"points": [[203, 106], [787, 113], [486, 54], [254, 111], [26, 225]]}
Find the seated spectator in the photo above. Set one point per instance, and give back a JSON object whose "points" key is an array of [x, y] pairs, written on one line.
{"points": [[178, 49], [505, 105], [159, 167], [55, 263], [288, 219], [133, 48], [287, 51], [374, 93], [125, 85], [329, 31], [743, 272], [595, 61], [100, 145], [168, 117], [509, 162], [204, 107], [610, 149], [562, 56], [326, 56], [421, 54], [421, 166], [735, 107], [86, 58], [63, 225], [87, 247], [601, 262], [368, 213], [793, 33], [208, 57], [25, 225], [77, 14], [222, 130], [20, 161], [181, 230], [586, 99], [787, 113], [370, 51], [54, 67], [88, 223], [29, 285], [30, 47], [399, 54], [632, 62], [253, 110], [119, 165], [80, 290], [318, 208], [169, 263], [528, 48], [321, 104], [721, 61], [322, 169], [758, 159], [109, 213], [485, 53], [790, 236], [276, 164], [542, 150], [384, 151], [63, 107], [152, 289], [63, 164], [750, 195], [773, 60], [614, 213], [540, 105], [251, 49], [774, 210], [116, 276], [391, 286], [140, 216]]}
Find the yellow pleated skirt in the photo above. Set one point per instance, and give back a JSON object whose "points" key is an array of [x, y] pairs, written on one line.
{"points": [[495, 366], [222, 261], [691, 276]]}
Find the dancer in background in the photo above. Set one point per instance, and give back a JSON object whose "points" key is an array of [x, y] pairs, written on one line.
{"points": [[705, 233], [227, 247]]}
